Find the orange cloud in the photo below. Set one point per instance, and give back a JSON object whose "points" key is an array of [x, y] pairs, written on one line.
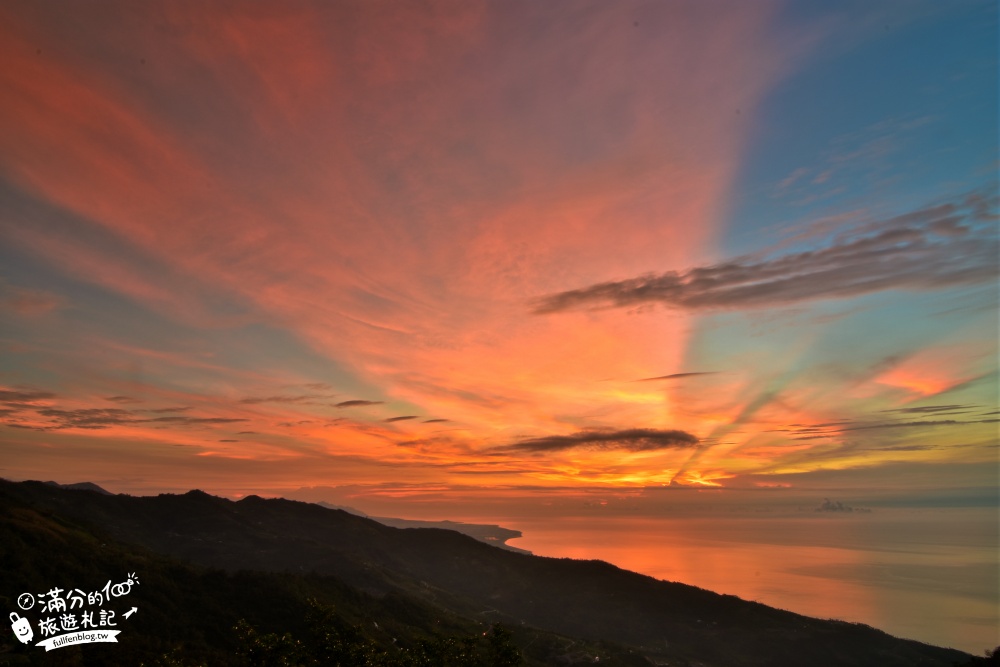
{"points": [[933, 370], [392, 189]]}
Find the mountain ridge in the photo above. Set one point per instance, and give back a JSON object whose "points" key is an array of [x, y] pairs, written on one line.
{"points": [[489, 533], [592, 600]]}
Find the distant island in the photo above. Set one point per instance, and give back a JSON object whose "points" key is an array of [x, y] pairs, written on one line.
{"points": [[836, 506]]}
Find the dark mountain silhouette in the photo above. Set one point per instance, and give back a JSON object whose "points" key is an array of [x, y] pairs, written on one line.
{"points": [[433, 569], [488, 533], [347, 508], [81, 486], [191, 615]]}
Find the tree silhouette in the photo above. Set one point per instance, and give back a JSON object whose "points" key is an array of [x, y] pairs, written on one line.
{"points": [[336, 643]]}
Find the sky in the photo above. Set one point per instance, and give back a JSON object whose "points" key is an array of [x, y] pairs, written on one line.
{"points": [[452, 253]]}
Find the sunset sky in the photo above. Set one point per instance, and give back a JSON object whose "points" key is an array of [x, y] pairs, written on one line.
{"points": [[477, 250]]}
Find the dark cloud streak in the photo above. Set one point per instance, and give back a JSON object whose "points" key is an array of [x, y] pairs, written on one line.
{"points": [[632, 440], [101, 418], [932, 409], [929, 249], [677, 376], [915, 424], [24, 396], [253, 400], [122, 399]]}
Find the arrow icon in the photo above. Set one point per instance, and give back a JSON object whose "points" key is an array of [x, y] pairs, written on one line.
{"points": [[131, 611]]}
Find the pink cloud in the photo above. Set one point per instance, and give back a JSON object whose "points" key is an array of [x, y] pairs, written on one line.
{"points": [[394, 187]]}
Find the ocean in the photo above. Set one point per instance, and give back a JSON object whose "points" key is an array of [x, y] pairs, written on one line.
{"points": [[924, 574]]}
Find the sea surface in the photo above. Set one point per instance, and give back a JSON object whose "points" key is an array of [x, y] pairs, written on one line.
{"points": [[925, 574]]}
